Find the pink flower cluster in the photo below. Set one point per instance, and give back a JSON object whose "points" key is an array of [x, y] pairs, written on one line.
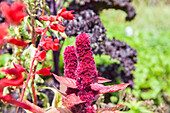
{"points": [[81, 77]]}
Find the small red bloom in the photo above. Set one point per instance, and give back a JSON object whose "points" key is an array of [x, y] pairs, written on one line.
{"points": [[39, 30], [40, 56], [44, 18], [58, 27], [67, 15], [17, 42], [55, 45], [44, 71], [47, 18], [14, 14], [15, 80], [52, 18], [46, 44]]}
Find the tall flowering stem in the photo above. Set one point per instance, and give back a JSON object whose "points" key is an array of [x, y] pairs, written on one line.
{"points": [[32, 64]]}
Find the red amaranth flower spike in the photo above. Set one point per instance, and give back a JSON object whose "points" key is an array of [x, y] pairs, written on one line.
{"points": [[44, 71], [13, 14], [70, 62], [86, 69], [58, 27], [20, 43], [40, 56], [84, 82]]}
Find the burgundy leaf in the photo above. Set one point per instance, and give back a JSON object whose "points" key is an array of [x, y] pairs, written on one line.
{"points": [[44, 71], [9, 99], [108, 89], [33, 105], [62, 93], [102, 80], [97, 87], [71, 100], [111, 109], [69, 82]]}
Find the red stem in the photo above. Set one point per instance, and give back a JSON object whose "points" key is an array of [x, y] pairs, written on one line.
{"points": [[33, 90], [32, 64]]}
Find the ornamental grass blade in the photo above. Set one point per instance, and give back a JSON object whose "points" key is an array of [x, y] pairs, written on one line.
{"points": [[111, 109], [71, 100], [108, 89], [69, 82], [102, 80]]}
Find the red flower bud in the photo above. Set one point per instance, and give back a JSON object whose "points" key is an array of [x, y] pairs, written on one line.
{"points": [[55, 45], [39, 30], [58, 27], [44, 18], [67, 15], [40, 56], [52, 18], [46, 44], [61, 11]]}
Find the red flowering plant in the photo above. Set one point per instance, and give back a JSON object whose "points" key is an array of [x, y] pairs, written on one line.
{"points": [[81, 78], [30, 37], [18, 33]]}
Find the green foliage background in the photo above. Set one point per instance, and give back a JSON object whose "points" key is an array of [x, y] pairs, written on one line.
{"points": [[151, 39]]}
